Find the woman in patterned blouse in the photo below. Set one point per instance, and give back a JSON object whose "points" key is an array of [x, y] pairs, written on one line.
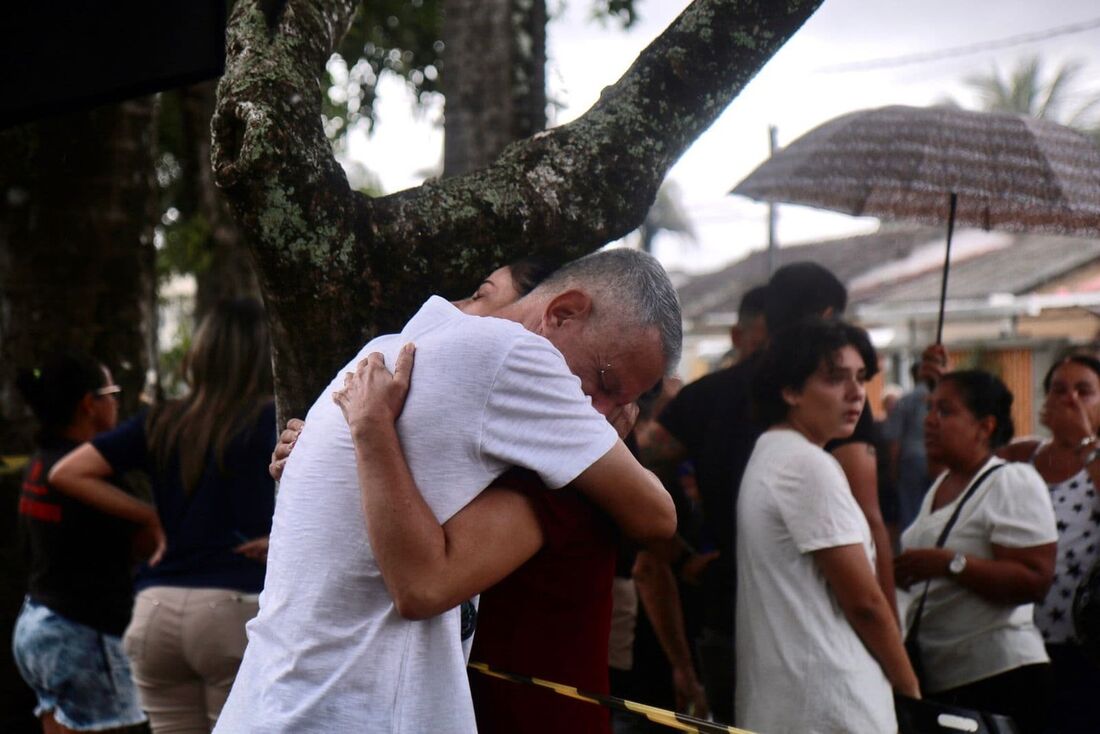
{"points": [[1069, 462]]}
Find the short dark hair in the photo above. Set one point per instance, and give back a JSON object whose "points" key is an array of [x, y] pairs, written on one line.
{"points": [[802, 290], [54, 389], [752, 303], [985, 395], [633, 287], [1084, 360], [795, 353], [528, 272]]}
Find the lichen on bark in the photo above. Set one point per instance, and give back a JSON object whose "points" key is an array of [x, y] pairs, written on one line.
{"points": [[337, 267]]}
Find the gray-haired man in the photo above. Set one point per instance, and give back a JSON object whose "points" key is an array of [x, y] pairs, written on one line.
{"points": [[329, 650]]}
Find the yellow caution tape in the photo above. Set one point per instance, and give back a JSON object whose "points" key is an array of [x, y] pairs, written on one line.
{"points": [[671, 719]]}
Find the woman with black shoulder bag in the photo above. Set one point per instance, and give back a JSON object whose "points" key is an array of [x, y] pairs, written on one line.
{"points": [[975, 644]]}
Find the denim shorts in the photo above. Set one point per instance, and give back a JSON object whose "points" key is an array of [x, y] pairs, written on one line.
{"points": [[78, 673]]}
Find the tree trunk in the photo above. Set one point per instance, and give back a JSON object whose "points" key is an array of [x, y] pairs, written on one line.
{"points": [[76, 249], [494, 78], [338, 267]]}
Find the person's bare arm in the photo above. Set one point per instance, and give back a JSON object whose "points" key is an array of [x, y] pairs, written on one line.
{"points": [[82, 473], [428, 568], [858, 462], [660, 596], [632, 495], [1012, 576], [1017, 450], [894, 447], [934, 364], [660, 446], [850, 577]]}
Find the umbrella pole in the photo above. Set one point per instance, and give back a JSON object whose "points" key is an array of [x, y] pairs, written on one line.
{"points": [[952, 202]]}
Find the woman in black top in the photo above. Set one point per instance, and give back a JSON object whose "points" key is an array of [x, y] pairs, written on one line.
{"points": [[67, 638]]}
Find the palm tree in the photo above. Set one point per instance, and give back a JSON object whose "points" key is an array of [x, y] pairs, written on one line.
{"points": [[1025, 91]]}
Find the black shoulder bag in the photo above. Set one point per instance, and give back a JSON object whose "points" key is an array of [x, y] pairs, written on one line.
{"points": [[912, 644]]}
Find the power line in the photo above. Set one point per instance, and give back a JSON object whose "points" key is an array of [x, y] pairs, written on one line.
{"points": [[948, 53]]}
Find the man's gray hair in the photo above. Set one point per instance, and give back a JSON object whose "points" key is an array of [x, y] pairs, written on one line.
{"points": [[634, 286]]}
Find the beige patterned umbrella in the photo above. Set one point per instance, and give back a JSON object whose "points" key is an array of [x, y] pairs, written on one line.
{"points": [[941, 165]]}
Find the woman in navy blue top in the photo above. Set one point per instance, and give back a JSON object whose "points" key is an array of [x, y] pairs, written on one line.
{"points": [[207, 456]]}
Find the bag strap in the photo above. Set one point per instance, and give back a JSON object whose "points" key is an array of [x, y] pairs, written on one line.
{"points": [[913, 628]]}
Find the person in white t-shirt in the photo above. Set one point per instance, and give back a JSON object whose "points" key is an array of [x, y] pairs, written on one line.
{"points": [[818, 647], [979, 646], [329, 650]]}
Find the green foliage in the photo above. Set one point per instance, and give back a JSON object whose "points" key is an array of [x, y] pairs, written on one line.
{"points": [[170, 364], [181, 233], [403, 37], [183, 245], [1026, 90], [622, 12]]}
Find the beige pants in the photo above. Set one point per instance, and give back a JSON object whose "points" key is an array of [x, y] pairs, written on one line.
{"points": [[185, 646]]}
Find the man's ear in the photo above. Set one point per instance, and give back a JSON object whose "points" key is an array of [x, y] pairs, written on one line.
{"points": [[572, 305]]}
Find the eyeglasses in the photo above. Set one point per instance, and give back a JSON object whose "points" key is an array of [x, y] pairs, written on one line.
{"points": [[108, 390]]}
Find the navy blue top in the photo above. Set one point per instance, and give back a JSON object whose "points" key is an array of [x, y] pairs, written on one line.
{"points": [[228, 507]]}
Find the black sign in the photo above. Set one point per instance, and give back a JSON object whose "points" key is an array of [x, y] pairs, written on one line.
{"points": [[63, 55]]}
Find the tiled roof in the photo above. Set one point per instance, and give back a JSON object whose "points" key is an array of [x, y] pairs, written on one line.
{"points": [[903, 265], [850, 257], [1024, 264]]}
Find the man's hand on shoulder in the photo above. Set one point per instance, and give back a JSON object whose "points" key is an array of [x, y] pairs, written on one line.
{"points": [[372, 396]]}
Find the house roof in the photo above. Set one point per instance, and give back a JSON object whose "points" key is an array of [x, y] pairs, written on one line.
{"points": [[898, 266], [1022, 264], [719, 293]]}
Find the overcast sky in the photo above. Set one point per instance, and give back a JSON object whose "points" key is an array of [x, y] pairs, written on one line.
{"points": [[795, 91]]}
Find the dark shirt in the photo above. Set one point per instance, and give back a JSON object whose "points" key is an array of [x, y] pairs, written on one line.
{"points": [[231, 504], [551, 618], [80, 558], [712, 418]]}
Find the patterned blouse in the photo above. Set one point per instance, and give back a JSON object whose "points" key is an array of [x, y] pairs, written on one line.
{"points": [[1077, 509]]}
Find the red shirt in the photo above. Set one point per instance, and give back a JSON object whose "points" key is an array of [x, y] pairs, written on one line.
{"points": [[550, 619]]}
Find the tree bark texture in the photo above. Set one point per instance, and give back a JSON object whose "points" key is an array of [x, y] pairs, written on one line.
{"points": [[76, 249], [337, 267], [493, 79]]}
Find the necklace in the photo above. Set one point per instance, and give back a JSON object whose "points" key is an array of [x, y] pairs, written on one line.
{"points": [[1058, 464]]}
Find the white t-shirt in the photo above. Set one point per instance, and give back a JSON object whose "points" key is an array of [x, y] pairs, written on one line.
{"points": [[964, 637], [328, 651], [801, 668]]}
